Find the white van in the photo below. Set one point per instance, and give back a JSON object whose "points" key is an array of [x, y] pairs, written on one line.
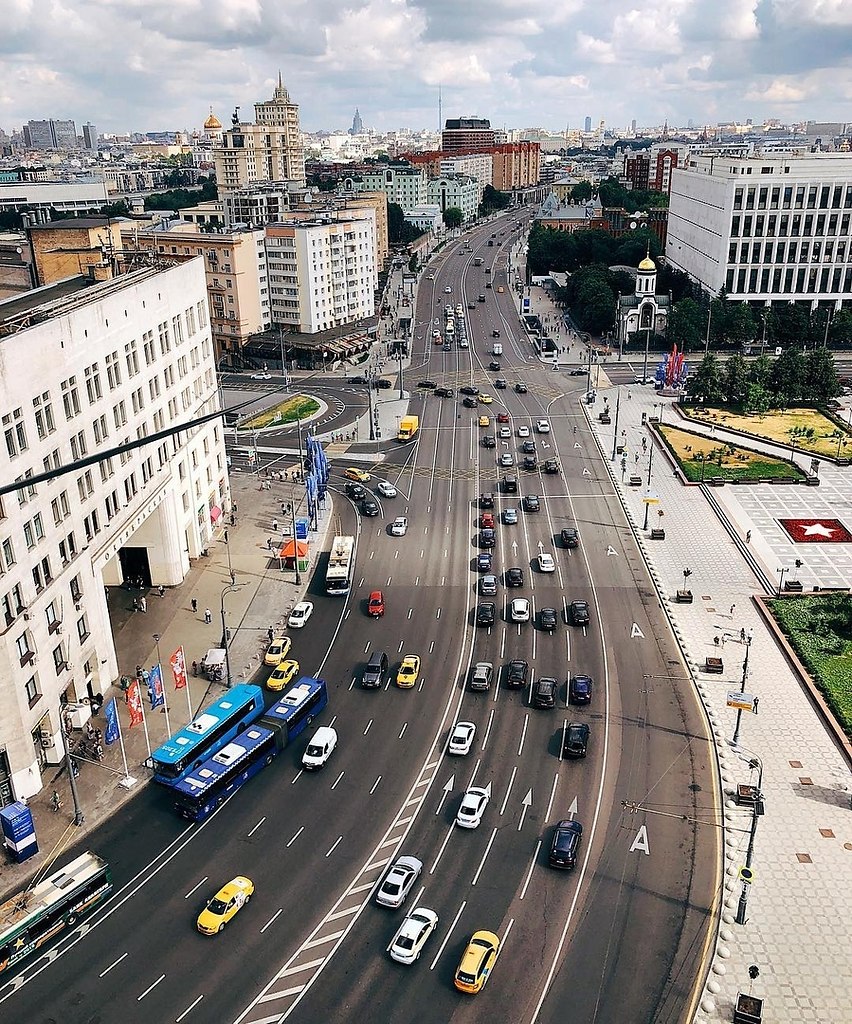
{"points": [[497, 350], [320, 748]]}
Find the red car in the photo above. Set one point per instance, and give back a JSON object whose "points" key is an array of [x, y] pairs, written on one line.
{"points": [[376, 604], [487, 521], [502, 417]]}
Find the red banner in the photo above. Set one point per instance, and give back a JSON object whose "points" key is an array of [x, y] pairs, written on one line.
{"points": [[178, 663], [816, 531], [134, 703]]}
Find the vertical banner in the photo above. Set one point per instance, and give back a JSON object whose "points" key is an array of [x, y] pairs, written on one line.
{"points": [[155, 687], [111, 732], [178, 663], [134, 703]]}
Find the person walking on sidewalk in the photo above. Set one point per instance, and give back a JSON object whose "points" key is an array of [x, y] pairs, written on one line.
{"points": [[275, 526], [208, 616], [161, 590], [143, 604], [194, 605]]}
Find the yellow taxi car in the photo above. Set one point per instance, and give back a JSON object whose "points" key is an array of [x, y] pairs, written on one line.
{"points": [[230, 899], [284, 674], [409, 670], [277, 651], [477, 961], [484, 421], [352, 473], [485, 399], [500, 288]]}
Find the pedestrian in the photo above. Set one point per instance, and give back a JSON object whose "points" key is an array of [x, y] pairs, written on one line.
{"points": [[748, 536], [733, 606], [234, 508], [194, 605], [629, 396], [275, 526], [270, 634], [233, 519], [208, 616], [742, 635], [269, 543], [136, 604], [716, 641], [724, 638], [195, 668], [283, 508], [143, 604], [161, 590]]}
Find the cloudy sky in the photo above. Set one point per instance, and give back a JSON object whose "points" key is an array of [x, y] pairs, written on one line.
{"points": [[144, 65]]}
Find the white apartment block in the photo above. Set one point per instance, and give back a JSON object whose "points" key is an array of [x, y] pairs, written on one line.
{"points": [[456, 190], [323, 273], [770, 228], [405, 186], [475, 165], [87, 369], [426, 218]]}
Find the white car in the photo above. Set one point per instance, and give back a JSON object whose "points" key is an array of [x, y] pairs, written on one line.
{"points": [[543, 427], [448, 290], [523, 430], [519, 610], [386, 490], [505, 431], [320, 748], [472, 807], [261, 376], [546, 563], [407, 945], [461, 739], [398, 882], [300, 614], [399, 527], [507, 459]]}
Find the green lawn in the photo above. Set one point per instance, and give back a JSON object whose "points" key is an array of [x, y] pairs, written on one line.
{"points": [[701, 458], [820, 632], [288, 411], [805, 428]]}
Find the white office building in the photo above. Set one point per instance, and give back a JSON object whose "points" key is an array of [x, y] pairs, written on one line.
{"points": [[456, 191], [405, 186], [770, 228], [475, 165], [88, 368]]}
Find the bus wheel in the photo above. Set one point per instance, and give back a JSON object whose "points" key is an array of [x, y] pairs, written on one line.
{"points": [[309, 719], [71, 920], [269, 758]]}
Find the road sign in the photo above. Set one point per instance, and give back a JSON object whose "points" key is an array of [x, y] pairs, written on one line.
{"points": [[741, 701], [651, 498], [746, 875]]}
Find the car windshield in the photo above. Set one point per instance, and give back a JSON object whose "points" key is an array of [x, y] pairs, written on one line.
{"points": [[314, 750], [217, 906]]}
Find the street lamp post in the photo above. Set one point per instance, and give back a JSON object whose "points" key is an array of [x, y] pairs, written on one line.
{"points": [[370, 408], [748, 639], [230, 588], [756, 811], [72, 777], [295, 542], [782, 570], [615, 428], [645, 360], [707, 337]]}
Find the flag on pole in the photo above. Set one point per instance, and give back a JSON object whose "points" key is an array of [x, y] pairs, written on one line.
{"points": [[134, 703], [111, 733], [155, 687], [178, 663]]}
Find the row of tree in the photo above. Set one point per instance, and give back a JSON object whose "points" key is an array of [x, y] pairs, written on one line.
{"points": [[613, 195], [763, 383]]}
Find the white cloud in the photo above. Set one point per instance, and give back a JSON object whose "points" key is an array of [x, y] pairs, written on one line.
{"points": [[599, 51], [817, 12], [778, 91]]}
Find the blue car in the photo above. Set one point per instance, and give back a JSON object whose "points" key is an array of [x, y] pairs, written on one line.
{"points": [[483, 561]]}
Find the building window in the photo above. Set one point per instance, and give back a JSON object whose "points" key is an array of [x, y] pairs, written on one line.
{"points": [[79, 448], [131, 357], [13, 430], [53, 621], [59, 662], [113, 370], [31, 691], [25, 652], [43, 415], [70, 398], [93, 383], [82, 629]]}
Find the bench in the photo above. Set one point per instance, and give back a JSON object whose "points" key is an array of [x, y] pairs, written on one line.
{"points": [[635, 481], [793, 585], [658, 533]]}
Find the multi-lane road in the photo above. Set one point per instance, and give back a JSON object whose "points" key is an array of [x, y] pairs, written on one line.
{"points": [[622, 937]]}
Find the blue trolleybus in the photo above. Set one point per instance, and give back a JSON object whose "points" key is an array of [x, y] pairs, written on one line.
{"points": [[206, 734], [297, 708]]}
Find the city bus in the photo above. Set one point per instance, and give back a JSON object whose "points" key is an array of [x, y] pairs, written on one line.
{"points": [[297, 708], [200, 792], [31, 918], [341, 563], [215, 726]]}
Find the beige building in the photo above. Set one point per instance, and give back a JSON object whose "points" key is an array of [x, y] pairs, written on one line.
{"points": [[377, 201], [269, 150], [64, 248]]}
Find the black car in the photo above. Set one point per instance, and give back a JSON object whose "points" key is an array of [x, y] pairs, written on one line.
{"points": [[551, 466], [486, 538], [530, 462], [544, 692], [548, 619], [444, 392], [468, 389], [521, 388], [486, 500], [470, 402], [516, 674], [355, 491], [565, 844], [495, 334], [532, 504], [580, 613], [369, 507], [486, 613], [500, 384], [489, 441], [528, 447], [510, 484], [570, 537], [578, 372], [428, 384], [514, 577], [382, 383], [494, 364], [580, 690], [575, 740]]}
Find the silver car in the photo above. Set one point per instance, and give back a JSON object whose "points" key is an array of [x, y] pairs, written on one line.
{"points": [[398, 882]]}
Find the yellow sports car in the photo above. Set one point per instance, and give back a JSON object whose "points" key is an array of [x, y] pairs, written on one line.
{"points": [[277, 651], [409, 670], [224, 905], [283, 675]]}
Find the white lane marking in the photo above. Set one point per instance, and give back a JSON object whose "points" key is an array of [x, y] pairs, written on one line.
{"points": [[189, 1008], [487, 729], [509, 789], [296, 777], [443, 847], [402, 730], [523, 734], [149, 988], [272, 919], [295, 836], [438, 614], [529, 873], [552, 795], [368, 727], [482, 862], [432, 647], [195, 887], [339, 777], [410, 612], [447, 937], [322, 940], [373, 789], [298, 968], [334, 847], [256, 827], [115, 963]]}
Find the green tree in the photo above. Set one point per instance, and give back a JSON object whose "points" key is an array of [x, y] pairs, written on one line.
{"points": [[492, 200], [120, 208], [582, 191], [788, 376], [719, 318], [453, 217], [740, 325], [383, 158], [760, 372], [758, 399], [706, 383], [840, 332], [736, 381], [592, 299], [821, 380], [400, 232], [790, 325], [685, 327], [413, 263]]}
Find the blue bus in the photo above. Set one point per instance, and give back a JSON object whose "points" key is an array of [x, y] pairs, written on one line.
{"points": [[198, 794], [215, 726], [297, 708]]}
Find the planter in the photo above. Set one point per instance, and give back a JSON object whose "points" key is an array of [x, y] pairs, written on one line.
{"points": [[635, 481], [748, 1009], [604, 417], [716, 481], [714, 666], [683, 597], [795, 586], [812, 481], [658, 533]]}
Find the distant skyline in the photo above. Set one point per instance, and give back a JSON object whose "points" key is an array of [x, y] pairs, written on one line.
{"points": [[148, 65]]}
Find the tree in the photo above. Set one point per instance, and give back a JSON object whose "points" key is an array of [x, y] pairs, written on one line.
{"points": [[453, 217], [736, 380], [400, 232], [740, 326], [760, 372], [493, 200], [120, 208], [821, 380], [719, 318], [788, 376], [706, 383], [758, 399], [790, 325], [685, 327], [383, 158], [582, 192], [592, 299], [840, 332], [413, 263]]}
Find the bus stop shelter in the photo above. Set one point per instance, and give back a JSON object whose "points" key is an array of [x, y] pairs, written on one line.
{"points": [[293, 550]]}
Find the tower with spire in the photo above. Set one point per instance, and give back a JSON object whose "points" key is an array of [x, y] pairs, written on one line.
{"points": [[357, 123]]}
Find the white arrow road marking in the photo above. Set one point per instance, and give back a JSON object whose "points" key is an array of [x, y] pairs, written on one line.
{"points": [[525, 803]]}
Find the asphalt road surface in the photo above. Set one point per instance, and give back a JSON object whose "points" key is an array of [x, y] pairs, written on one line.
{"points": [[620, 938]]}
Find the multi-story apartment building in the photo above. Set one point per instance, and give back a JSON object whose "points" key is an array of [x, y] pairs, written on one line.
{"points": [[769, 228], [64, 248], [50, 135], [406, 186], [269, 150], [322, 272], [456, 190], [39, 198], [236, 276], [467, 135], [89, 368], [90, 137], [475, 165], [515, 165]]}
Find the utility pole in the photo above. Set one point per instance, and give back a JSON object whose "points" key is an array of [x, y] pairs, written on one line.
{"points": [[748, 639], [756, 812], [615, 428]]}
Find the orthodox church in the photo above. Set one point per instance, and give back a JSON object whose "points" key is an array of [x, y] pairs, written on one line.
{"points": [[644, 310]]}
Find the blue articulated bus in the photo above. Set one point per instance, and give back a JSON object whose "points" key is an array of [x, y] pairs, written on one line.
{"points": [[200, 792], [206, 734], [297, 708]]}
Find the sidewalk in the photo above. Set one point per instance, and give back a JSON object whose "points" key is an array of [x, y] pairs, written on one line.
{"points": [[263, 598]]}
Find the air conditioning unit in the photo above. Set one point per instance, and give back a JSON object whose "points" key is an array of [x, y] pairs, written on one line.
{"points": [[45, 734], [46, 742], [27, 616]]}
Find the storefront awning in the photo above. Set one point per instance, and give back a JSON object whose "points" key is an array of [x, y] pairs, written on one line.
{"points": [[215, 513]]}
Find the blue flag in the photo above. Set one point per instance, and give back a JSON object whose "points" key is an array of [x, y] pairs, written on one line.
{"points": [[155, 687], [111, 714]]}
